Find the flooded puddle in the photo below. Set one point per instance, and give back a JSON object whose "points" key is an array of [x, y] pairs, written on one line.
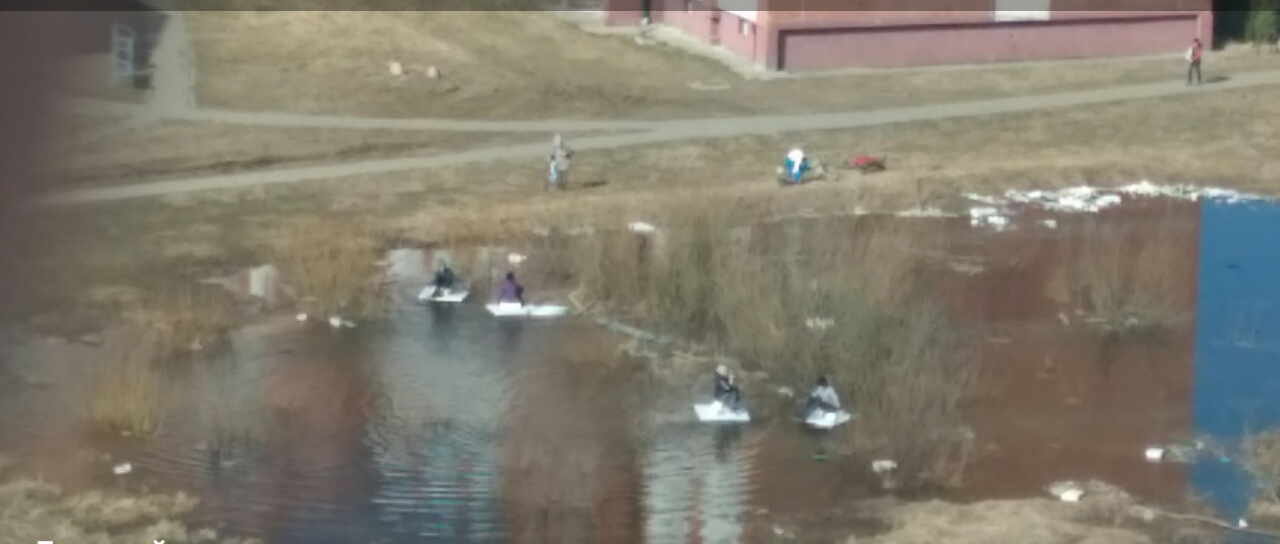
{"points": [[441, 424]]}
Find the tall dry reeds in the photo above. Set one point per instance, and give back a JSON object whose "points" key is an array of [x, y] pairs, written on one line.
{"points": [[1126, 277], [801, 298], [126, 391], [187, 318], [334, 266]]}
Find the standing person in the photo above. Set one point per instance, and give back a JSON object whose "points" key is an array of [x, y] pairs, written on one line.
{"points": [[561, 156], [1194, 54]]}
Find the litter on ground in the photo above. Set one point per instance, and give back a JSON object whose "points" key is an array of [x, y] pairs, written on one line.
{"points": [[1067, 491], [881, 466]]}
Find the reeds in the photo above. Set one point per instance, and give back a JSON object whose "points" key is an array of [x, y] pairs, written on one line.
{"points": [[187, 318], [334, 267], [800, 298], [1124, 279], [126, 392]]}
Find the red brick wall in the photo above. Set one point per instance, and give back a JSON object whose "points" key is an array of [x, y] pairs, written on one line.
{"points": [[696, 23], [816, 49], [750, 46], [622, 12]]}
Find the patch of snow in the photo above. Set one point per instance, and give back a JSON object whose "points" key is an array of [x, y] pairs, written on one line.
{"points": [[926, 212], [988, 217], [1085, 199], [122, 469]]}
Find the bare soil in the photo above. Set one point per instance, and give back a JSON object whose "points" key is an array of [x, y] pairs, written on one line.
{"points": [[534, 65]]}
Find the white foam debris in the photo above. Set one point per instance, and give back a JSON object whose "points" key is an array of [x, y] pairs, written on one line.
{"points": [[966, 268], [881, 466], [819, 323], [641, 227], [1154, 454], [1049, 224], [516, 258], [338, 322], [122, 469]]}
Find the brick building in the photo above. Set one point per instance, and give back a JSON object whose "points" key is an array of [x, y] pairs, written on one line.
{"points": [[807, 35]]}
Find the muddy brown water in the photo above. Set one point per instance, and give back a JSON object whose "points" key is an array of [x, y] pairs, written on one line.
{"points": [[441, 424], [437, 425]]}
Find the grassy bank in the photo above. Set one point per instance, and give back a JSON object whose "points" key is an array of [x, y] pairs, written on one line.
{"points": [[502, 63], [88, 256], [36, 511]]}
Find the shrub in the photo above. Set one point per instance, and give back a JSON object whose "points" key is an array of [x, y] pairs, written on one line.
{"points": [[126, 391], [334, 266]]}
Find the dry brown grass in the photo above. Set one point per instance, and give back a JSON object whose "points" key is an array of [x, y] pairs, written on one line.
{"points": [[335, 266], [999, 522], [1261, 457], [522, 64], [126, 391], [36, 511]]}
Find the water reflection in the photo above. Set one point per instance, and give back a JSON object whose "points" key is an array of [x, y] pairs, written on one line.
{"points": [[441, 424]]}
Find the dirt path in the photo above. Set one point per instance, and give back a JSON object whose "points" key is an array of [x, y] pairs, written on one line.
{"points": [[659, 132]]}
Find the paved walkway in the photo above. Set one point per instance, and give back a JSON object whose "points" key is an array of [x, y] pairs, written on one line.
{"points": [[649, 133]]}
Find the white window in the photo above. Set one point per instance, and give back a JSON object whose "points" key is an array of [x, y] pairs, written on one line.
{"points": [[1022, 10], [744, 27], [744, 9]]}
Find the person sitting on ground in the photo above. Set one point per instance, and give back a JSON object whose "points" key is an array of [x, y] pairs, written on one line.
{"points": [[512, 292], [726, 391], [796, 164], [444, 279], [822, 398]]}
